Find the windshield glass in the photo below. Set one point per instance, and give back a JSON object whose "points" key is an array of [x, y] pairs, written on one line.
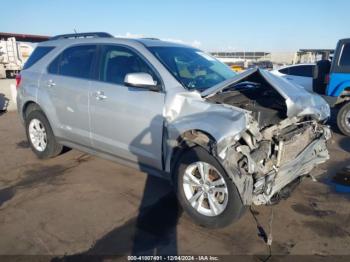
{"points": [[194, 69]]}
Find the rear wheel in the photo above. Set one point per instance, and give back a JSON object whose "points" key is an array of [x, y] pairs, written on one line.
{"points": [[40, 136], [205, 191], [343, 119]]}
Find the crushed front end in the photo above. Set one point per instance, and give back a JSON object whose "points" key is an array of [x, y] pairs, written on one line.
{"points": [[277, 156], [284, 139]]}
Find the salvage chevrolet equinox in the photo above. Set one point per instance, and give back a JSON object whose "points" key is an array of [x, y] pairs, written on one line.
{"points": [[225, 140]]}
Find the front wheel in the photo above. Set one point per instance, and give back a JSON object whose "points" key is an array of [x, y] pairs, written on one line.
{"points": [[205, 191], [343, 119]]}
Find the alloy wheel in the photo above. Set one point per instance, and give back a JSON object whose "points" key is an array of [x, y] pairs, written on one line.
{"points": [[37, 135], [205, 189]]}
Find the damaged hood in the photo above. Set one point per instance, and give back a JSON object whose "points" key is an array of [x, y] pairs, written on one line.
{"points": [[299, 102]]}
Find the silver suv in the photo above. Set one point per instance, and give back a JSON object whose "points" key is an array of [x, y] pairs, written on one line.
{"points": [[226, 141]]}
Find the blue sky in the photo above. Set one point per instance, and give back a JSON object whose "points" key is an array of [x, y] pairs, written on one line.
{"points": [[265, 25]]}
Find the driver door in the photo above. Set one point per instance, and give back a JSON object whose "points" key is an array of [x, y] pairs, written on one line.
{"points": [[126, 122]]}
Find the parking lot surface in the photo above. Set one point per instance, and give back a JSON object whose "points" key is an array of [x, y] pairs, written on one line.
{"points": [[80, 204]]}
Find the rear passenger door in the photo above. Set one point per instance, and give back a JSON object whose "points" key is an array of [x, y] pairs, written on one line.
{"points": [[67, 88], [126, 121]]}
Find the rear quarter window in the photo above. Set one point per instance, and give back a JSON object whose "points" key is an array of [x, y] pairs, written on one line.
{"points": [[37, 54]]}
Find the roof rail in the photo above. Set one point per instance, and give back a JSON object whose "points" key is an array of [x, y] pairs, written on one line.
{"points": [[81, 35], [150, 38]]}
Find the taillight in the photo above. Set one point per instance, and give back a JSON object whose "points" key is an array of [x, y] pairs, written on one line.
{"points": [[326, 79], [18, 80]]}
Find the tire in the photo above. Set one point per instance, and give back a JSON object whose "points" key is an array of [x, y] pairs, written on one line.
{"points": [[230, 212], [52, 148], [343, 119]]}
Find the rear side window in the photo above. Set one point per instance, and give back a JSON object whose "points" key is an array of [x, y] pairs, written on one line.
{"points": [[345, 56], [37, 54], [304, 70], [75, 62]]}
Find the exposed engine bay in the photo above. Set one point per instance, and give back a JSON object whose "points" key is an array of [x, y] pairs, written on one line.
{"points": [[266, 104], [275, 150]]}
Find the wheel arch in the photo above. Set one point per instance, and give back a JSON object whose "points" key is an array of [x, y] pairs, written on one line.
{"points": [[199, 140], [197, 137], [341, 89], [30, 106], [188, 140]]}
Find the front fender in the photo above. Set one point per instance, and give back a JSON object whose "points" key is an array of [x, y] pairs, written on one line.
{"points": [[189, 112], [222, 124]]}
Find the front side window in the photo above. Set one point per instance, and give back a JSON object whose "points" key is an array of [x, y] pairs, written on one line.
{"points": [[75, 62], [194, 69], [118, 61], [345, 56]]}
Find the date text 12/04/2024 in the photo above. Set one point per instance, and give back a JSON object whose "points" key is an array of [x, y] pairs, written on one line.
{"points": [[173, 258]]}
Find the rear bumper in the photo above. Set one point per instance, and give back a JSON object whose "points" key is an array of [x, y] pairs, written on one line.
{"points": [[19, 107]]}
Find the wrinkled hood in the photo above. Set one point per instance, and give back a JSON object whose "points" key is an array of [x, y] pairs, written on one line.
{"points": [[298, 101]]}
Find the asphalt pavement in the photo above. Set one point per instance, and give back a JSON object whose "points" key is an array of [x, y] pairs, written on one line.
{"points": [[78, 204]]}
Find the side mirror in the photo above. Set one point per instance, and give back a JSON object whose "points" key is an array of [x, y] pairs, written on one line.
{"points": [[141, 80]]}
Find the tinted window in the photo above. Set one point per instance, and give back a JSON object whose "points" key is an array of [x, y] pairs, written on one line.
{"points": [[119, 61], [193, 68], [304, 70], [53, 67], [75, 61], [345, 56], [37, 54], [284, 71]]}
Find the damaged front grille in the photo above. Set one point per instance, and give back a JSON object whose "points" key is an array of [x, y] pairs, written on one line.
{"points": [[276, 156], [291, 144]]}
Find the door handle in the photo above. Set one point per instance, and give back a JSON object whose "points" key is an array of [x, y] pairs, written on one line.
{"points": [[288, 78], [100, 95], [51, 83]]}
